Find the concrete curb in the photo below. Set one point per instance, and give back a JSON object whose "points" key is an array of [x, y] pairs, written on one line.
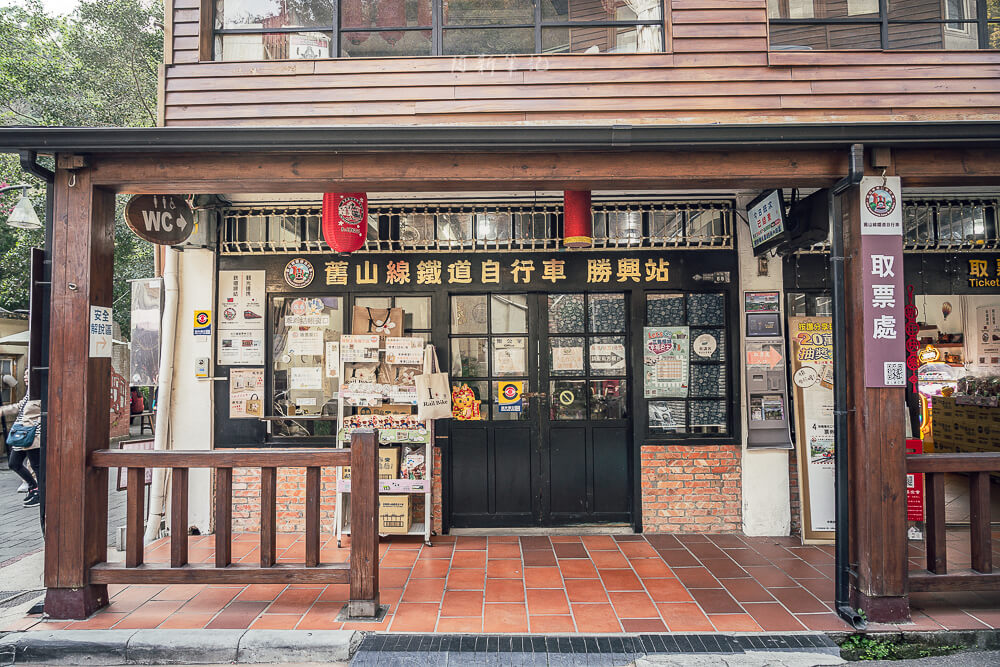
{"points": [[188, 647], [984, 640]]}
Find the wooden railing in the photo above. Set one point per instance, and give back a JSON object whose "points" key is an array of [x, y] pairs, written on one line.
{"points": [[978, 466], [361, 572]]}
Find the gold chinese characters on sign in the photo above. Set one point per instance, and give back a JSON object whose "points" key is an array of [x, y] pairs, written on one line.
{"points": [[621, 270]]}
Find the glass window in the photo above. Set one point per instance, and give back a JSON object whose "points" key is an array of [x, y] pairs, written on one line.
{"points": [[509, 313], [274, 14], [469, 314]]}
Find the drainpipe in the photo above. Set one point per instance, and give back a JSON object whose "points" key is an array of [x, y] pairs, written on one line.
{"points": [[840, 408], [158, 491]]}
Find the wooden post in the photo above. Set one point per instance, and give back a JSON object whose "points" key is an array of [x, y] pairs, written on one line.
{"points": [[178, 517], [313, 480], [364, 600], [979, 522], [877, 455], [79, 396], [268, 516]]}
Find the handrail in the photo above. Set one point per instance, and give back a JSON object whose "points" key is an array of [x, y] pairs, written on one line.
{"points": [[361, 572], [971, 462]]}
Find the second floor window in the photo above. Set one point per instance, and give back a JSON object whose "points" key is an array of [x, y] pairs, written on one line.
{"points": [[800, 25], [313, 29]]}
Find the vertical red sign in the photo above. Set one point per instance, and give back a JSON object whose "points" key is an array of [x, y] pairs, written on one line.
{"points": [[914, 485]]}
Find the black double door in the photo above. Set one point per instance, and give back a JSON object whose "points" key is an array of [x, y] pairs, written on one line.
{"points": [[565, 458]]}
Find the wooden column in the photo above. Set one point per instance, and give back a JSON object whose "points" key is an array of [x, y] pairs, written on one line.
{"points": [[79, 396], [364, 599], [877, 454]]}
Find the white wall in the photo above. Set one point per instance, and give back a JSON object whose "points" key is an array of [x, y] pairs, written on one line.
{"points": [[191, 423], [766, 501]]}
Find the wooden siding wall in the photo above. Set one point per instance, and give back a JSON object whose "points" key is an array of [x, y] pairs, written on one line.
{"points": [[718, 69]]}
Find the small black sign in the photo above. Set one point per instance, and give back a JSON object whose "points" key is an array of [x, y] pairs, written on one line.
{"points": [[160, 219]]}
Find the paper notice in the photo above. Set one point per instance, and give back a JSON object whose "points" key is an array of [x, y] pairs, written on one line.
{"points": [[307, 377]]}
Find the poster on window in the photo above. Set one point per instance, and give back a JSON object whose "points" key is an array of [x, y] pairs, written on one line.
{"points": [[665, 362], [509, 356], [812, 380], [241, 299], [246, 393], [988, 337], [241, 347]]}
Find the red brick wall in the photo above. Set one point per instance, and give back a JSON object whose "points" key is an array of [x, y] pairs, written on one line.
{"points": [[691, 489], [291, 497]]}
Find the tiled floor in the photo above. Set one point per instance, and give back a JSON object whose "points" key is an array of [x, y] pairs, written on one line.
{"points": [[559, 584]]}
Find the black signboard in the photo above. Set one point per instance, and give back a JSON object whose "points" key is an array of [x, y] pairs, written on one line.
{"points": [[160, 219]]}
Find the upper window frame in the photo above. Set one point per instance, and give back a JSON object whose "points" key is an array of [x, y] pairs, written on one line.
{"points": [[209, 32], [980, 23]]}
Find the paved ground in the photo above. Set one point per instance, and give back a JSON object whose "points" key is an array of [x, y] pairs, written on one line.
{"points": [[20, 530], [539, 584]]}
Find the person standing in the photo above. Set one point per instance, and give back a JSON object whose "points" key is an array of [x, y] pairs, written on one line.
{"points": [[24, 442]]}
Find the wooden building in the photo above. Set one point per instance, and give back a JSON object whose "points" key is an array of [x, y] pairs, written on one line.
{"points": [[465, 122]]}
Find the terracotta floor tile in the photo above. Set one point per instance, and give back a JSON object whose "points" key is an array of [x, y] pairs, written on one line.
{"points": [[595, 618], [696, 577], [734, 623], [294, 601], [468, 558], [772, 617], [539, 557], [542, 577], [504, 590], [149, 615], [463, 542], [608, 560], [679, 558], [620, 580], [565, 538], [322, 616], [745, 557], [586, 590], [472, 624], [414, 618], [437, 552], [577, 568], [547, 602], [276, 622], [768, 576], [748, 590], [705, 550], [187, 621], [261, 592], [661, 541], [632, 604], [99, 621], [504, 618], [423, 590], [823, 589], [643, 625], [599, 542], [466, 580], [184, 592], [237, 616], [724, 568], [365, 626], [828, 622], [955, 619], [462, 603], [530, 542], [504, 538], [393, 577], [715, 601], [339, 593], [212, 599], [429, 569], [651, 567], [798, 569], [727, 541], [551, 624], [797, 600], [570, 550], [503, 550], [667, 590], [638, 550], [508, 568], [684, 617], [132, 597], [401, 558]]}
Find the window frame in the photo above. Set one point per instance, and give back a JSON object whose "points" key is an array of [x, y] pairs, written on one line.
{"points": [[210, 33], [980, 23]]}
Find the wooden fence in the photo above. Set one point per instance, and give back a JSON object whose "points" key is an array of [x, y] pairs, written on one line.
{"points": [[361, 572], [978, 467]]}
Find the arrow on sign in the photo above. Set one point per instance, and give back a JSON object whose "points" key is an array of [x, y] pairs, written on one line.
{"points": [[611, 359], [770, 358]]}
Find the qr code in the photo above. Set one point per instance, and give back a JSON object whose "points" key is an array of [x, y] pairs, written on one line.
{"points": [[895, 373], [910, 483]]}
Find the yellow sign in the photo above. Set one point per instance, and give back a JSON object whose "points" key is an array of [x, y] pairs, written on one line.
{"points": [[202, 323], [510, 394]]}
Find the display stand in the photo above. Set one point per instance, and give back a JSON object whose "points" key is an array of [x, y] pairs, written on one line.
{"points": [[387, 436]]}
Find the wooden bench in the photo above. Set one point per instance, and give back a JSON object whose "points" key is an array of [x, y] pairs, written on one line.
{"points": [[147, 418]]}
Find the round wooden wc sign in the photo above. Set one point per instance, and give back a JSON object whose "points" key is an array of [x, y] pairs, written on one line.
{"points": [[160, 219]]}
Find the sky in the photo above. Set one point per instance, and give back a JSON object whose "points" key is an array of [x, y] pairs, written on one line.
{"points": [[53, 6]]}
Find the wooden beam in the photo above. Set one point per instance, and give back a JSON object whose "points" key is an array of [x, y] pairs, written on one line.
{"points": [[221, 458], [966, 462], [923, 582], [207, 573], [395, 172], [79, 396]]}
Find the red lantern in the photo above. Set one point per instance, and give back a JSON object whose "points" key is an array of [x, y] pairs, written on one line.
{"points": [[345, 220], [578, 222]]}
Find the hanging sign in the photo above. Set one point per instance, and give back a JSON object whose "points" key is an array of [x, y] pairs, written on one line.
{"points": [[160, 219], [510, 395], [345, 220], [101, 329], [882, 280], [812, 377]]}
